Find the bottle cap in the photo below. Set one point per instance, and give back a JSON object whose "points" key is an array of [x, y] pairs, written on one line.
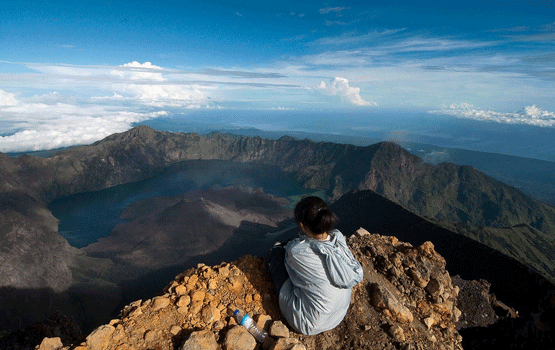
{"points": [[235, 312]]}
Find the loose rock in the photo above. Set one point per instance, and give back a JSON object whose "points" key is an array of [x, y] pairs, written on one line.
{"points": [[100, 338], [238, 338], [160, 303], [384, 299], [201, 340], [279, 330], [51, 344]]}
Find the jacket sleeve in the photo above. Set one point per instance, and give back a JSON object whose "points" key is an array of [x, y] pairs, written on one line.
{"points": [[301, 295]]}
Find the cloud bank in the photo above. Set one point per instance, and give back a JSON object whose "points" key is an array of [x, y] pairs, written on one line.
{"points": [[110, 99], [49, 121], [7, 99], [153, 89], [340, 87], [530, 115]]}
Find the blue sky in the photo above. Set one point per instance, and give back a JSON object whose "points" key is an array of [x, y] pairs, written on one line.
{"points": [[74, 72]]}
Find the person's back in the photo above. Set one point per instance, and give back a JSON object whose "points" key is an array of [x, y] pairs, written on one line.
{"points": [[321, 271], [321, 274]]}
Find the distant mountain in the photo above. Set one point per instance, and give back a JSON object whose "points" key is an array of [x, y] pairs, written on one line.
{"points": [[511, 280], [444, 191], [533, 176]]}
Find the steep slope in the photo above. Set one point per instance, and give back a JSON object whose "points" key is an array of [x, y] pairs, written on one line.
{"points": [[32, 254], [511, 280], [521, 242]]}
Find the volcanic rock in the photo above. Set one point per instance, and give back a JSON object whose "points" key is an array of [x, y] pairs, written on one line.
{"points": [[415, 318]]}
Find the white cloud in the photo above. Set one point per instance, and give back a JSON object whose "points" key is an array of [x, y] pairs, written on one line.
{"points": [[45, 122], [137, 71], [97, 101], [353, 38], [155, 90], [171, 95], [7, 99], [437, 44], [340, 87], [336, 9], [530, 115], [436, 157], [70, 131], [68, 70]]}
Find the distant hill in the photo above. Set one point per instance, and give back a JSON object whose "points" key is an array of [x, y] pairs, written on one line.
{"points": [[532, 176], [444, 191], [511, 280]]}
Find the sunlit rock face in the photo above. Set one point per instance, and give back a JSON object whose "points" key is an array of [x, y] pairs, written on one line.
{"points": [[406, 298]]}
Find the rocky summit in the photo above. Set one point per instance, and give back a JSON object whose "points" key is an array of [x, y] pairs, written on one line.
{"points": [[406, 300]]}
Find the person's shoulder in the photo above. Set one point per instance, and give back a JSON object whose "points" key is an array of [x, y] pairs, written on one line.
{"points": [[336, 234], [297, 244], [299, 249]]}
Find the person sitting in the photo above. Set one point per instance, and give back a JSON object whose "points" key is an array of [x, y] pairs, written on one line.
{"points": [[313, 274]]}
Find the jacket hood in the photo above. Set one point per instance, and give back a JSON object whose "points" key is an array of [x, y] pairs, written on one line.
{"points": [[343, 269]]}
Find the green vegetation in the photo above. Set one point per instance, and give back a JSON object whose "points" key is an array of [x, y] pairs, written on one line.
{"points": [[293, 200], [526, 244]]}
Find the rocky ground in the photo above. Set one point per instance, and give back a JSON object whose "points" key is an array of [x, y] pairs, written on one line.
{"points": [[406, 301]]}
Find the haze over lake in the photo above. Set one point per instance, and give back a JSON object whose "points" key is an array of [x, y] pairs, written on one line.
{"points": [[85, 217]]}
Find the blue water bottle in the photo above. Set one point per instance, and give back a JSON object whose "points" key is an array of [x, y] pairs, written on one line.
{"points": [[246, 321]]}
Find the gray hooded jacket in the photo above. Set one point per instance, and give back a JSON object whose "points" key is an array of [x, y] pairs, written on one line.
{"points": [[317, 294]]}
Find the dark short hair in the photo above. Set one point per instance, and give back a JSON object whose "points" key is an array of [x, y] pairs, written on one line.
{"points": [[315, 215]]}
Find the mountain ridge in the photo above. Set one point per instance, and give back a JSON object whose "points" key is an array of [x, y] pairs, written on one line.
{"points": [[141, 152]]}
